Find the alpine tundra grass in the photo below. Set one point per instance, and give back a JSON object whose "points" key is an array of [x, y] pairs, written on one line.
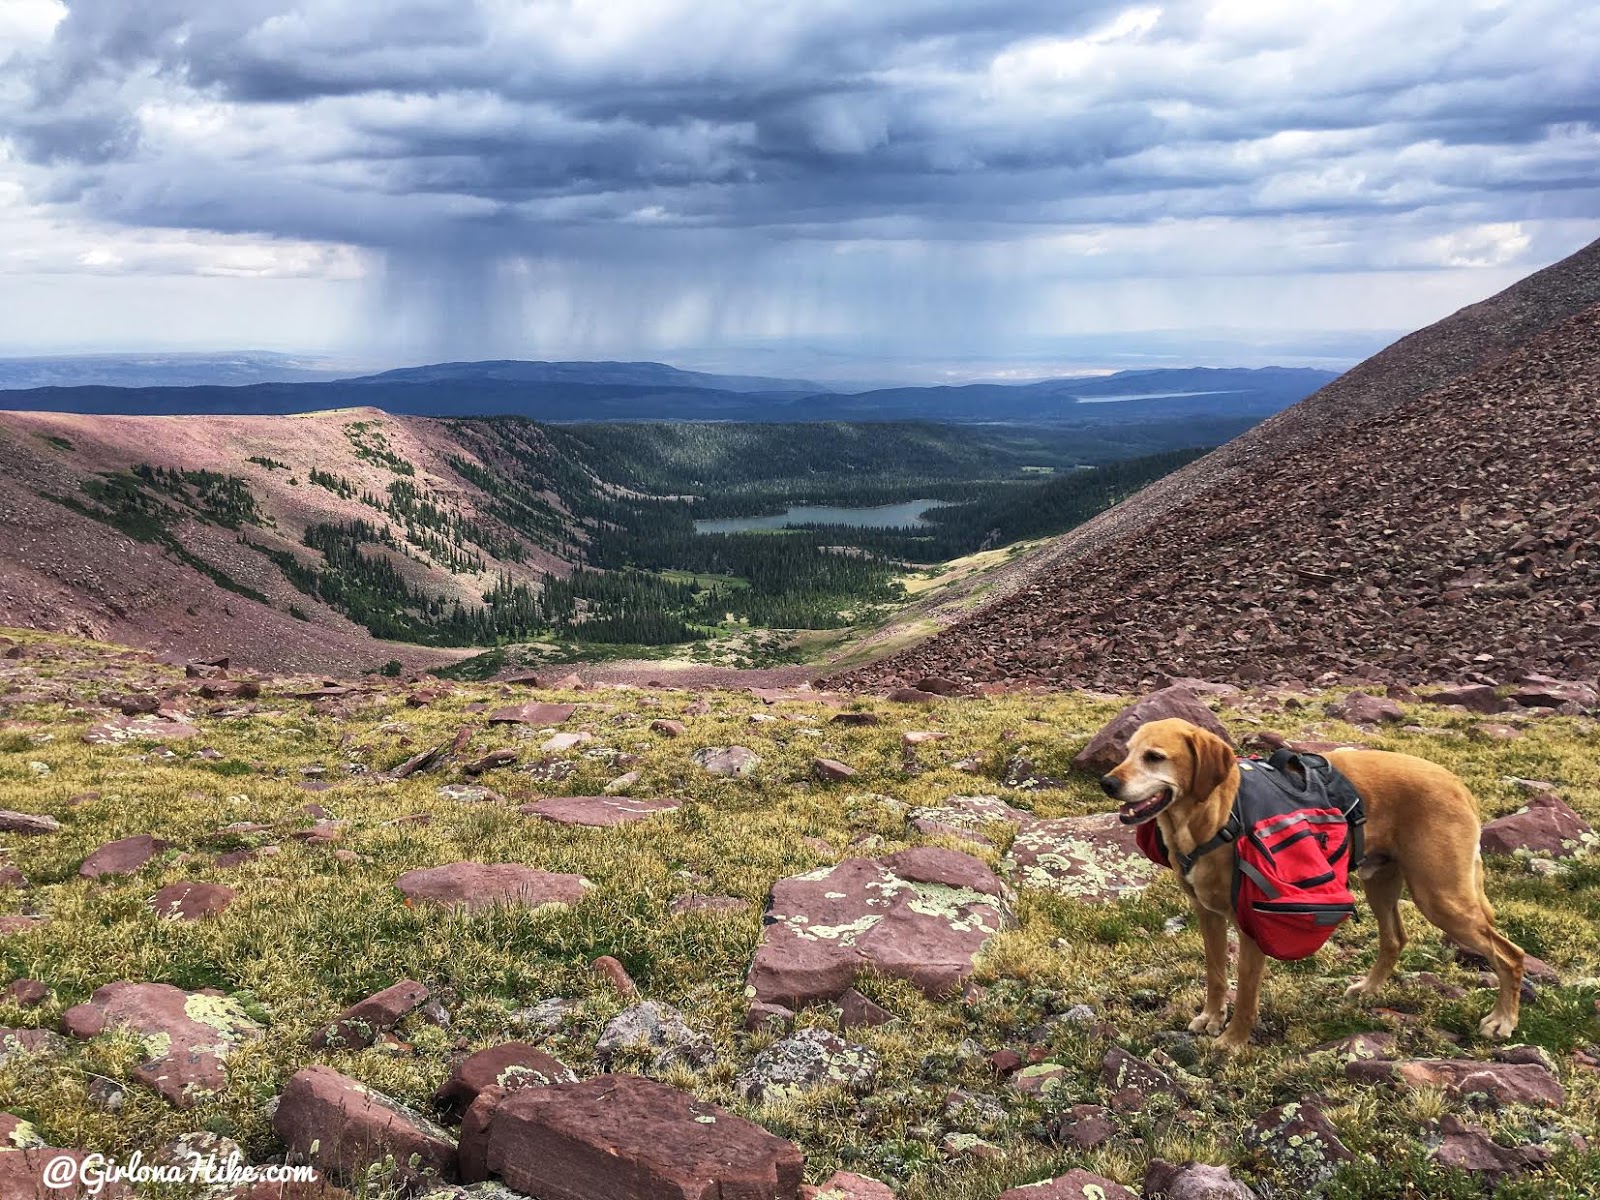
{"points": [[313, 930]]}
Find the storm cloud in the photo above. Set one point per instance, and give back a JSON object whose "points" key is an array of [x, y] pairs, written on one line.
{"points": [[913, 178]]}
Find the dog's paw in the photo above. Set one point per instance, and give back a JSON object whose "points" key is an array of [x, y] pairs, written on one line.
{"points": [[1206, 1023], [1359, 991], [1232, 1042], [1496, 1028]]}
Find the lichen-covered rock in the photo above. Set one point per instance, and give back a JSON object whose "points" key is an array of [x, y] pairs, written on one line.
{"points": [[809, 1058], [1085, 1126], [1088, 858], [1074, 1185], [510, 1065], [145, 727], [1192, 1181], [361, 1023], [24, 1158], [598, 811], [187, 1036], [921, 915], [1299, 1140], [343, 1127], [29, 823], [727, 760], [969, 817], [469, 793], [1132, 1081], [653, 1026], [845, 1185], [473, 886], [28, 1041], [622, 1137]]}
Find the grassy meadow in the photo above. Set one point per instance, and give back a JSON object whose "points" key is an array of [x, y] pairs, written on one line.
{"points": [[314, 929]]}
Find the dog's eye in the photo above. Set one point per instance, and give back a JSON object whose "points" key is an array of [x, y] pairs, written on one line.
{"points": [[1154, 756]]}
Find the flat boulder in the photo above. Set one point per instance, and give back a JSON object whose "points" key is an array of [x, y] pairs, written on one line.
{"points": [[188, 1036], [1362, 708], [1541, 691], [1545, 825], [1531, 1083], [727, 760], [510, 1065], [846, 1185], [1474, 697], [191, 900], [123, 856], [473, 886], [1467, 1148], [28, 823], [1074, 1185], [1088, 858], [146, 727], [342, 1127], [597, 811], [469, 793], [532, 712], [361, 1023], [921, 915], [624, 1137], [1108, 747], [24, 1158]]}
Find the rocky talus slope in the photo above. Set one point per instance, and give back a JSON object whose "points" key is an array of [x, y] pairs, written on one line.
{"points": [[1390, 527]]}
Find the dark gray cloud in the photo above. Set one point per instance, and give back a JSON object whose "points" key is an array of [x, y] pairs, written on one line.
{"points": [[648, 166]]}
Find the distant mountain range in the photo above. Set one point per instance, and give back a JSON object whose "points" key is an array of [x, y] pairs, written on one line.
{"points": [[163, 370], [608, 391]]}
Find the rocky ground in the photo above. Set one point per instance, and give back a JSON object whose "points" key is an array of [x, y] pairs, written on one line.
{"points": [[580, 941], [1453, 534]]}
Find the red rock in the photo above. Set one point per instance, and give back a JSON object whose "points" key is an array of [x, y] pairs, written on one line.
{"points": [[907, 695], [26, 993], [1360, 708], [1085, 1126], [342, 1127], [482, 885], [122, 857], [920, 915], [1132, 1081], [28, 823], [510, 1065], [761, 1017], [490, 762], [1192, 1181], [829, 770], [11, 877], [614, 973], [939, 686], [1074, 1185], [23, 1161], [670, 729], [1299, 1140], [1474, 697], [1108, 747], [360, 1024], [856, 719], [597, 811], [419, 763], [532, 712], [146, 728], [190, 901], [1546, 825], [192, 1034], [1467, 1148], [235, 858], [1504, 1083], [844, 1185], [856, 1011], [19, 924], [1544, 692], [621, 1137]]}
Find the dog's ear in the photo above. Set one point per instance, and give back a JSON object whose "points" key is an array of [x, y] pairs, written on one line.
{"points": [[1210, 760]]}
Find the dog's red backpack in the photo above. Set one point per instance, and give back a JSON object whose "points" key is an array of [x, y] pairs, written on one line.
{"points": [[1296, 832]]}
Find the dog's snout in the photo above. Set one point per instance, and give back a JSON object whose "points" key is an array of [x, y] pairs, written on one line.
{"points": [[1110, 785]]}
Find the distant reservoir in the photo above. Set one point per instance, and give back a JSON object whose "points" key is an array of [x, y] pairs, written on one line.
{"points": [[905, 515]]}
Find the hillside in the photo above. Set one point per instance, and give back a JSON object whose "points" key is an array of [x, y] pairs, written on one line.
{"points": [[1211, 405], [291, 846], [1428, 515], [323, 541]]}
